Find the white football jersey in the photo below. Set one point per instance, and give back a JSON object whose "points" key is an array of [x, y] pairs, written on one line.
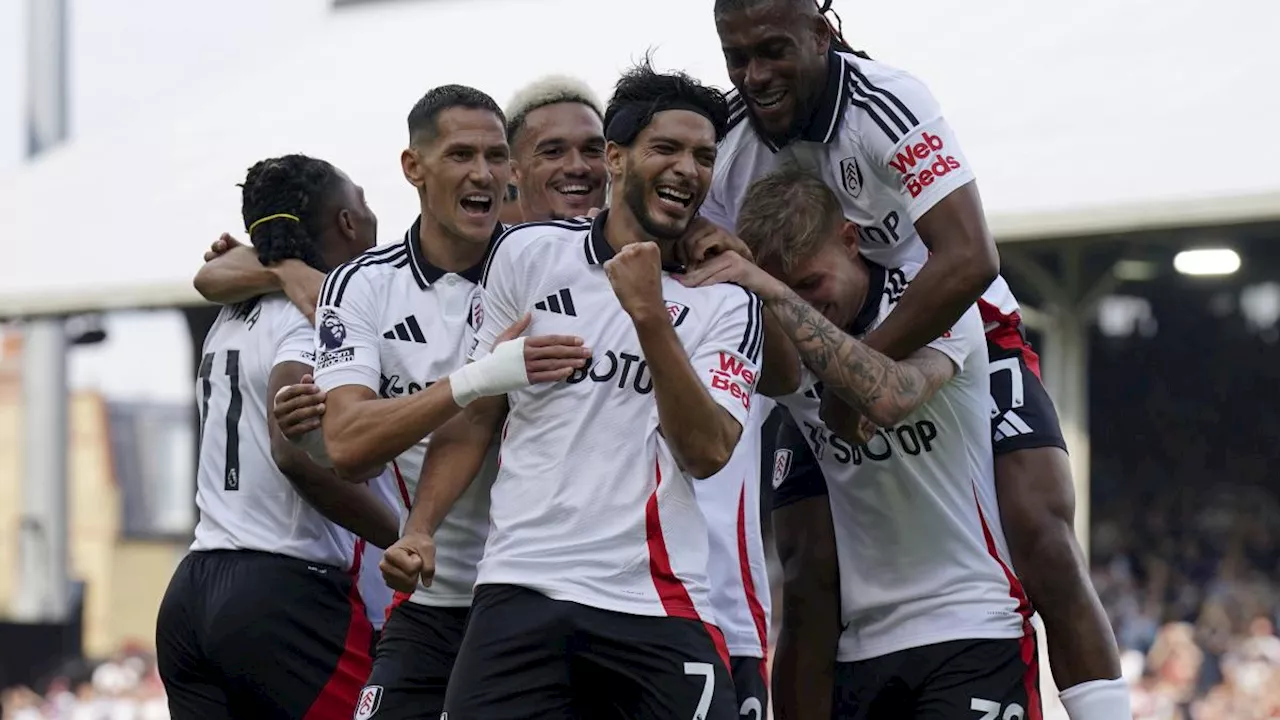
{"points": [[879, 140], [590, 505], [920, 546], [394, 323], [730, 502], [245, 502]]}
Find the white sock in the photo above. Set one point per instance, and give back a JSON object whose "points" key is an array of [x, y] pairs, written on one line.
{"points": [[1098, 700]]}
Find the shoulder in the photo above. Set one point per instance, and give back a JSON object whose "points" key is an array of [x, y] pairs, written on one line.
{"points": [[885, 101], [517, 240], [359, 271], [739, 137]]}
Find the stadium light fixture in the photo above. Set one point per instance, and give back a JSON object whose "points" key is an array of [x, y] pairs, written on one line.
{"points": [[1207, 261]]}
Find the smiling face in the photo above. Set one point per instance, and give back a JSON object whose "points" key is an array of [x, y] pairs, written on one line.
{"points": [[664, 175], [777, 59], [462, 172], [559, 162], [831, 278]]}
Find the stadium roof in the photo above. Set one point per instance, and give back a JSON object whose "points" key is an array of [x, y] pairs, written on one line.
{"points": [[1097, 116]]}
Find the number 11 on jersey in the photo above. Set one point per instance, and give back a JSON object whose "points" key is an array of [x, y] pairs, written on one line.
{"points": [[235, 404]]}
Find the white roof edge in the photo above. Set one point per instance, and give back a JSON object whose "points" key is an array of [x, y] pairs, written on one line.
{"points": [[1014, 227], [1165, 214], [140, 297]]}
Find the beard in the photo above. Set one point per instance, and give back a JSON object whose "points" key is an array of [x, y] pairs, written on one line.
{"points": [[635, 193]]}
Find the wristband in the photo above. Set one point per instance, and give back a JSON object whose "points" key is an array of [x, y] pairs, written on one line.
{"points": [[496, 374]]}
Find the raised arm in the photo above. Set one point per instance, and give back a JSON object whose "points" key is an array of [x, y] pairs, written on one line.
{"points": [[804, 667], [232, 274], [701, 421]]}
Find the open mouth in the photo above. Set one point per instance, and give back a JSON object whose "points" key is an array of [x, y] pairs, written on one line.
{"points": [[768, 100], [477, 204], [574, 190], [674, 197]]}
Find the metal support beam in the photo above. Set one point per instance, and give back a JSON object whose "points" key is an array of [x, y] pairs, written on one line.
{"points": [[1070, 301], [43, 587], [43, 590]]}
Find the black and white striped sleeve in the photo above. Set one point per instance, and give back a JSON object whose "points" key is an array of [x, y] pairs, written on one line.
{"points": [[346, 334], [908, 144], [728, 359]]}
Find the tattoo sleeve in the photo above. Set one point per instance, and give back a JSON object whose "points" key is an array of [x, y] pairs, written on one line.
{"points": [[881, 389]]}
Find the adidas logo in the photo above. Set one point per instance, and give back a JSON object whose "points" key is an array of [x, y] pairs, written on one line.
{"points": [[560, 303], [1011, 426], [407, 330]]}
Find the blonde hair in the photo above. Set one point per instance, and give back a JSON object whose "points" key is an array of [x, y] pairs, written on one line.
{"points": [[786, 216], [545, 91]]}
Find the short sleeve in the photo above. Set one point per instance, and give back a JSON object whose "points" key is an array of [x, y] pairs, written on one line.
{"points": [[296, 338], [910, 146], [963, 339], [728, 358], [346, 334], [796, 473], [499, 296]]}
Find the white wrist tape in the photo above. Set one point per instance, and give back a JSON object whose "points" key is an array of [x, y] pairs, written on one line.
{"points": [[313, 444], [497, 374]]}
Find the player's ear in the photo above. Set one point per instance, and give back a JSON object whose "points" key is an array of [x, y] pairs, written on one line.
{"points": [[411, 166], [821, 34], [615, 160], [849, 236], [346, 226]]}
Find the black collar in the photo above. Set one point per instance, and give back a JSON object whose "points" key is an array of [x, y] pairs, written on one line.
{"points": [[871, 305], [825, 120], [426, 273], [598, 249]]}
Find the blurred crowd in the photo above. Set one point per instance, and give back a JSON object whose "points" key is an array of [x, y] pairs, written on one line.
{"points": [[125, 687]]}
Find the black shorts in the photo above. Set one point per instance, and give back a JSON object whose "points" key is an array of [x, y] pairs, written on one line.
{"points": [[412, 664], [528, 656], [970, 679], [1024, 414], [751, 683], [245, 634]]}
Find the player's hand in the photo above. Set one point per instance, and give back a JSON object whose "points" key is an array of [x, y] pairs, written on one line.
{"points": [[223, 245], [593, 212], [636, 276], [729, 266], [704, 239], [297, 408], [412, 559], [547, 358], [843, 421]]}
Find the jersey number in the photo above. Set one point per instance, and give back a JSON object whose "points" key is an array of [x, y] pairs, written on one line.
{"points": [[231, 474], [751, 708], [991, 710], [708, 674]]}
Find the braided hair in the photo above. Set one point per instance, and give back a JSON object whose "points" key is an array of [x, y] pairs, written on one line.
{"points": [[292, 186], [837, 30]]}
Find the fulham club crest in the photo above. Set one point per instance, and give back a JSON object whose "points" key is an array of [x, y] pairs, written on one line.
{"points": [[851, 176], [781, 466]]}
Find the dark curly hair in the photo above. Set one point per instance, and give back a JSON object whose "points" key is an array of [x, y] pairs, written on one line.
{"points": [[294, 185], [646, 88]]}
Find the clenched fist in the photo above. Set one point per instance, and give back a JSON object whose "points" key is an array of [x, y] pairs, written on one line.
{"points": [[411, 559], [636, 276]]}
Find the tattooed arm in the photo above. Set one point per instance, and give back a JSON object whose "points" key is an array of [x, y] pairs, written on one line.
{"points": [[881, 389]]}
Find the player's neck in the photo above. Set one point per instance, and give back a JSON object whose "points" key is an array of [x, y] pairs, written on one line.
{"points": [[861, 286], [621, 228], [445, 250]]}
